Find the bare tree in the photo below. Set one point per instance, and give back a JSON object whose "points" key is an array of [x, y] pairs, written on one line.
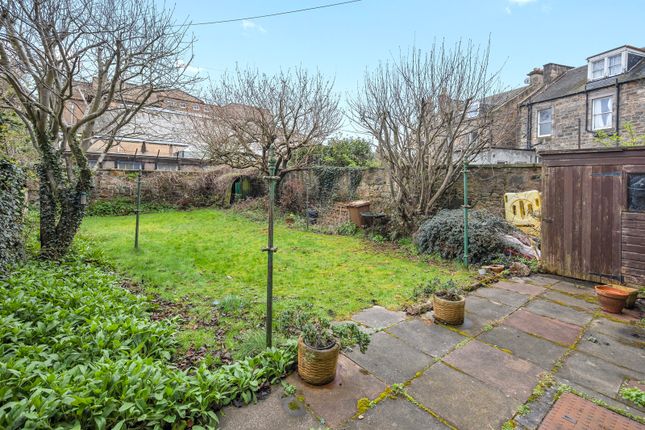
{"points": [[293, 111], [428, 114], [70, 64]]}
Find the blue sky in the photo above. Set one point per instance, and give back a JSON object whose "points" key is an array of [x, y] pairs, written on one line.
{"points": [[343, 41]]}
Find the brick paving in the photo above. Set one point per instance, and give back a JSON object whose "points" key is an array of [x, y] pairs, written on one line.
{"points": [[476, 376]]}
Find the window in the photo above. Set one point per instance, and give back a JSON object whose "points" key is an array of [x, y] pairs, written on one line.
{"points": [[636, 192], [598, 69], [615, 65], [182, 105], [195, 107], [167, 166], [473, 110], [601, 112], [545, 122], [128, 165]]}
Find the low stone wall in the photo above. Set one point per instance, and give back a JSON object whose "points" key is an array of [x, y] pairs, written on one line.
{"points": [[487, 185]]}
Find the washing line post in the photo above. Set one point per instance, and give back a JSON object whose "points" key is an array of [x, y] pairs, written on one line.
{"points": [[270, 249], [466, 207], [137, 211]]}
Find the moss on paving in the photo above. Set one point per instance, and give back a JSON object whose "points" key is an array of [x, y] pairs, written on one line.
{"points": [[201, 256]]}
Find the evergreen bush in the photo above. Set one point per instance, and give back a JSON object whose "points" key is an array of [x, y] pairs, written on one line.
{"points": [[443, 234]]}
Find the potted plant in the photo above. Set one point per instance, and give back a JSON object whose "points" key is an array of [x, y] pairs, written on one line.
{"points": [[319, 345], [611, 299], [449, 304], [632, 295]]}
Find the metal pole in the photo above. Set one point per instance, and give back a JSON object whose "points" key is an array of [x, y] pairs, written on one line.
{"points": [[307, 200], [137, 211], [272, 178], [466, 207]]}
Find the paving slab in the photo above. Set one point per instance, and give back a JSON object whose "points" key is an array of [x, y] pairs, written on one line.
{"points": [[390, 359], [485, 308], [621, 352], [396, 414], [499, 295], [596, 373], [472, 326], [541, 281], [523, 345], [627, 332], [526, 288], [273, 413], [617, 402], [548, 328], [571, 412], [426, 336], [378, 317], [462, 400], [558, 312], [511, 375], [568, 300], [579, 289], [336, 402]]}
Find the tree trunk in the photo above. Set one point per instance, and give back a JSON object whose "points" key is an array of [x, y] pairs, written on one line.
{"points": [[61, 213]]}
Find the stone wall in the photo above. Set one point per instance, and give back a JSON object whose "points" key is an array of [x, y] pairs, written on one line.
{"points": [[574, 109], [488, 184]]}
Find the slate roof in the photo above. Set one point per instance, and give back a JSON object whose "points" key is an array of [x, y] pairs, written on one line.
{"points": [[574, 81], [501, 98]]}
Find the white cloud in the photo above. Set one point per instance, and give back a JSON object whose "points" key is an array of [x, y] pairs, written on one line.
{"points": [[508, 10], [190, 69], [252, 26], [521, 2]]}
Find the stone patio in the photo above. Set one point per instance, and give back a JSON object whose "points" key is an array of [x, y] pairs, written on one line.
{"points": [[475, 376]]}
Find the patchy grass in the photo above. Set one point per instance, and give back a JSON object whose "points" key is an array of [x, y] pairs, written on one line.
{"points": [[211, 261]]}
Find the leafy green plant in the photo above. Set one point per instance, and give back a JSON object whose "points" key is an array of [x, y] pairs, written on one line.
{"points": [[12, 182], [349, 334], [347, 228], [231, 304], [634, 395], [253, 342], [78, 351], [288, 389], [318, 334], [122, 206], [627, 138], [449, 291]]}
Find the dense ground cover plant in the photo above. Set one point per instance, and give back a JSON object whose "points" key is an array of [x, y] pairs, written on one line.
{"points": [[123, 206], [443, 234], [77, 351]]}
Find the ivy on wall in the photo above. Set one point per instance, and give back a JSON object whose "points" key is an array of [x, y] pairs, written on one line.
{"points": [[12, 183]]}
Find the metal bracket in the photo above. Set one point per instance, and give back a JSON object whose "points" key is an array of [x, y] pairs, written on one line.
{"points": [[274, 249]]}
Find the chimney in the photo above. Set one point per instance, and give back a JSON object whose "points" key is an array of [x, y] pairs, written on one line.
{"points": [[536, 77], [552, 71]]}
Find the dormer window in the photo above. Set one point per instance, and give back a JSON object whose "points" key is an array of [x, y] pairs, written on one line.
{"points": [[615, 65], [473, 110], [614, 62]]}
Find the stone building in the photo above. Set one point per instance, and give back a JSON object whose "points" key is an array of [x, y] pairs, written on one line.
{"points": [[578, 106]]}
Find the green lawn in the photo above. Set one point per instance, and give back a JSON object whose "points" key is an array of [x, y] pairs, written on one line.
{"points": [[201, 256]]}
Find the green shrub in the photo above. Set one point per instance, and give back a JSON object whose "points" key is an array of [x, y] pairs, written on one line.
{"points": [[12, 182], [634, 395], [347, 228], [77, 351], [443, 234]]}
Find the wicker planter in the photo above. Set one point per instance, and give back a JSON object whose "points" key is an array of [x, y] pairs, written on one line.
{"points": [[611, 299], [449, 311], [317, 366]]}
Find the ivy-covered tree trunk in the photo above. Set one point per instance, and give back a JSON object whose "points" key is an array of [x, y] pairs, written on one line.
{"points": [[61, 203]]}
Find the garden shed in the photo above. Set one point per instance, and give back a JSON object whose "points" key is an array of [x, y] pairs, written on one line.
{"points": [[593, 219]]}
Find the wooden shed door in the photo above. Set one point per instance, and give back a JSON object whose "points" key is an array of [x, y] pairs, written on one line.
{"points": [[581, 222]]}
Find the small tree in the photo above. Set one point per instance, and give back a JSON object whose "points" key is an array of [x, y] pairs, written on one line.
{"points": [[347, 152], [292, 110], [78, 69], [428, 114]]}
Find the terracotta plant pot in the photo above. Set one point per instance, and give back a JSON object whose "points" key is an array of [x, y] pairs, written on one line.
{"points": [[449, 311], [632, 295], [317, 366], [611, 299]]}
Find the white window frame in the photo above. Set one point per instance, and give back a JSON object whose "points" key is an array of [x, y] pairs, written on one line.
{"points": [[129, 165], [594, 114], [540, 122], [619, 65], [195, 107]]}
